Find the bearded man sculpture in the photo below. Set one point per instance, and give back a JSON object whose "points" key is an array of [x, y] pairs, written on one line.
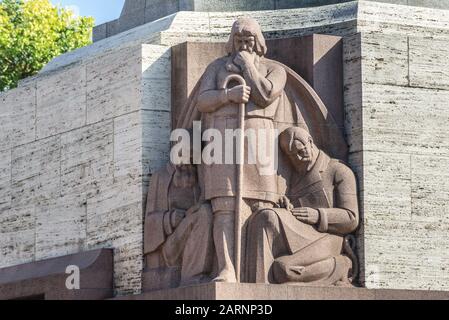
{"points": [[275, 98], [263, 95]]}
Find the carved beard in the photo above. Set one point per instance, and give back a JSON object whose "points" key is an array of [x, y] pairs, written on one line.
{"points": [[233, 68], [185, 178]]}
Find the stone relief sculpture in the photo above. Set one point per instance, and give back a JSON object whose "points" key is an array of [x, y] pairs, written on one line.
{"points": [[178, 233], [304, 241], [307, 205]]}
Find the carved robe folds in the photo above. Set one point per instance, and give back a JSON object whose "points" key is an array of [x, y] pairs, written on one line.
{"points": [[189, 244], [282, 249]]}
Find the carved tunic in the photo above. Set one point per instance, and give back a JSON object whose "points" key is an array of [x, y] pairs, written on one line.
{"points": [[220, 179]]}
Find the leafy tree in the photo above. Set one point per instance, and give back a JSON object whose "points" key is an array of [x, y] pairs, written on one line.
{"points": [[32, 32]]}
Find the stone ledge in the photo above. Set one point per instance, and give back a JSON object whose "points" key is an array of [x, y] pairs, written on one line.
{"points": [[138, 12], [45, 280], [246, 292]]}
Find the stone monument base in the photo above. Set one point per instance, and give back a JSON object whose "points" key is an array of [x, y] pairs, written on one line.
{"points": [[246, 292]]}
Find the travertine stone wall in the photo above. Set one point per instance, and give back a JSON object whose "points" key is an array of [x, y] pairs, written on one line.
{"points": [[399, 117], [396, 96], [76, 149], [139, 12]]}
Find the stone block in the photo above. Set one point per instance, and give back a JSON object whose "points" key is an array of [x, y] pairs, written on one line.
{"points": [[113, 84], [5, 180], [113, 28], [405, 254], [156, 140], [406, 120], [352, 94], [156, 78], [128, 147], [385, 59], [100, 32], [132, 6], [35, 173], [16, 247], [262, 292], [387, 185], [60, 226], [61, 101], [156, 9], [430, 189], [17, 116], [233, 5], [17, 219], [428, 63], [46, 280], [121, 229], [131, 20], [86, 158]]}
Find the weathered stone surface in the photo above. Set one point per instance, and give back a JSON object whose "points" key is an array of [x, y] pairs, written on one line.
{"points": [[430, 189], [405, 120], [5, 180], [385, 59], [251, 292], [61, 101], [35, 173], [340, 19], [60, 226], [86, 158], [405, 254], [156, 139], [18, 116], [387, 185], [156, 78], [113, 84], [46, 280], [156, 9], [428, 63], [16, 247], [120, 229]]}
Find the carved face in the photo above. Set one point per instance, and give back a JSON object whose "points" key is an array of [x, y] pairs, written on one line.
{"points": [[244, 42], [185, 176], [302, 151], [298, 145]]}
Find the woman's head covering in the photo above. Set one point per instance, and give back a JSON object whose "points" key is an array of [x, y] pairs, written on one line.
{"points": [[251, 26]]}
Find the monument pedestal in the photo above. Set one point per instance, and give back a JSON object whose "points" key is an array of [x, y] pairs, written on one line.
{"points": [[248, 292]]}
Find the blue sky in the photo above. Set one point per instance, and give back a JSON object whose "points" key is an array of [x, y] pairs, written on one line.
{"points": [[101, 10]]}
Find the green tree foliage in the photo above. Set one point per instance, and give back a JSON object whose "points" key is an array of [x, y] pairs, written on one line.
{"points": [[32, 32]]}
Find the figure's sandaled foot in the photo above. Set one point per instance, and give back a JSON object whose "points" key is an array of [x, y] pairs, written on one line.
{"points": [[226, 277]]}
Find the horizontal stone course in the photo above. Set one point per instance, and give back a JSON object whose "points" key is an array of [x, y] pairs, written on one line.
{"points": [[80, 182], [138, 12]]}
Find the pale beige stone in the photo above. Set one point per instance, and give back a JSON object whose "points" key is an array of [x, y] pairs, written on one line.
{"points": [[428, 63], [35, 172], [60, 226], [113, 84], [430, 189], [387, 185], [405, 254], [405, 120], [17, 116], [121, 229], [16, 248], [5, 180], [61, 101]]}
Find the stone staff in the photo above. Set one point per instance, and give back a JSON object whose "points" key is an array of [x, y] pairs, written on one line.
{"points": [[239, 202]]}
